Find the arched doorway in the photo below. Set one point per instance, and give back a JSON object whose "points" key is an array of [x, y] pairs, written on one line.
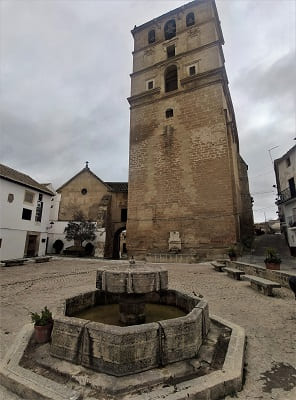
{"points": [[117, 248]]}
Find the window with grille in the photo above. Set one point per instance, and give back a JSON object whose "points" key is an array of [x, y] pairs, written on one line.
{"points": [[171, 51], [171, 78], [39, 209], [192, 70]]}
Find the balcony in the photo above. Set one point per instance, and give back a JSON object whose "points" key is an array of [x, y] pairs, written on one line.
{"points": [[286, 195]]}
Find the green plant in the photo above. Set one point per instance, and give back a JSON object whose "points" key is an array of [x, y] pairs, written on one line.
{"points": [[81, 230], [272, 256], [42, 319], [232, 252]]}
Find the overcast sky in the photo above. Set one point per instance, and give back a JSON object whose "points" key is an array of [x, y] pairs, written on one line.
{"points": [[65, 68]]}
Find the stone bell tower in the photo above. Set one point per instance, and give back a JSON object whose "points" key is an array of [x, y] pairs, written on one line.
{"points": [[184, 163]]}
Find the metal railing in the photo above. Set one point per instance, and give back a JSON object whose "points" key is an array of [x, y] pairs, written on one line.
{"points": [[285, 195]]}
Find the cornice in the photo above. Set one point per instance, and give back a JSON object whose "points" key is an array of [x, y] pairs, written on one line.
{"points": [[202, 80], [176, 11], [176, 58], [144, 95]]}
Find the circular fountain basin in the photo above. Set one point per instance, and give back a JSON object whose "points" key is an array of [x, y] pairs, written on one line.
{"points": [[120, 351]]}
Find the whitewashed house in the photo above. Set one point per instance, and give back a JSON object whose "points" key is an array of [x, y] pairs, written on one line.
{"points": [[24, 215], [285, 172]]}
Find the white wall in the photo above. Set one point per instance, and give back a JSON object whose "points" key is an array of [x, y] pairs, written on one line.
{"points": [[288, 213], [56, 231], [12, 227], [286, 172], [13, 243]]}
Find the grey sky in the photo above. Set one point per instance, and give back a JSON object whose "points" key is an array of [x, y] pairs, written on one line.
{"points": [[65, 68]]}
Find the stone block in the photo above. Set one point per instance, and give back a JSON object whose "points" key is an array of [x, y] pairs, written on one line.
{"points": [[181, 337], [203, 305], [80, 302], [67, 339], [120, 351]]}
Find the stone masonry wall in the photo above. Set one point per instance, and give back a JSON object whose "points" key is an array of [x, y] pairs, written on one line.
{"points": [[180, 177]]}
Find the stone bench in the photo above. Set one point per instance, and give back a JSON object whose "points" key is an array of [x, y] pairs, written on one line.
{"points": [[218, 266], [42, 259], [234, 273], [222, 260], [261, 285], [11, 263]]}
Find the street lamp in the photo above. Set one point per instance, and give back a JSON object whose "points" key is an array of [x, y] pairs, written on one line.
{"points": [[269, 151]]}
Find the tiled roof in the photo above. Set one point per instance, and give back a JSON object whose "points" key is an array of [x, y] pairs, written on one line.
{"points": [[118, 186], [23, 179]]}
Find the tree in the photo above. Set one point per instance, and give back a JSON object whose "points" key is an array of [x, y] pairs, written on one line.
{"points": [[80, 230]]}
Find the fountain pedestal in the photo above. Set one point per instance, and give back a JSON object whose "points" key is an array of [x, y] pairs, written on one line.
{"points": [[132, 309]]}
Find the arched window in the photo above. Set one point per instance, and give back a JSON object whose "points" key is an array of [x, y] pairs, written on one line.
{"points": [[170, 29], [171, 78], [151, 36], [169, 113], [190, 20]]}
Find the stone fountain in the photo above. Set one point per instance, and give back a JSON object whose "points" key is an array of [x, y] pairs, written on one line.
{"points": [[136, 346]]}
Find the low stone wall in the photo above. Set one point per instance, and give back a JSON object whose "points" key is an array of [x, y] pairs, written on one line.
{"points": [[121, 351], [281, 277], [200, 255]]}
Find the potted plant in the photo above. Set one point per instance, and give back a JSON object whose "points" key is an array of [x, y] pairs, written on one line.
{"points": [[232, 254], [272, 260], [43, 324]]}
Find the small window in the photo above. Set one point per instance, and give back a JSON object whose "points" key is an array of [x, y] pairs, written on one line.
{"points": [[29, 197], [170, 29], [40, 197], [151, 36], [192, 70], [171, 51], [83, 191], [169, 113], [123, 215], [171, 78], [150, 85], [0, 243], [190, 20], [27, 214], [288, 162]]}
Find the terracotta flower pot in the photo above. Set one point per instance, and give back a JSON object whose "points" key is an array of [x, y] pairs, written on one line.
{"points": [[275, 266], [42, 333]]}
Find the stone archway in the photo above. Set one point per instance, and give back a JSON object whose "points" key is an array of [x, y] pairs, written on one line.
{"points": [[116, 243]]}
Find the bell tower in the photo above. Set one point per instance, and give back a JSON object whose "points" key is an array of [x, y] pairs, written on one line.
{"points": [[184, 150]]}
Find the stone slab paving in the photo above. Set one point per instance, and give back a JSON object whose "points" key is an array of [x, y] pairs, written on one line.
{"points": [[270, 322]]}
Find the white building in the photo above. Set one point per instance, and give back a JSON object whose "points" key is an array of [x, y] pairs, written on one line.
{"points": [[24, 215], [285, 172], [56, 229]]}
